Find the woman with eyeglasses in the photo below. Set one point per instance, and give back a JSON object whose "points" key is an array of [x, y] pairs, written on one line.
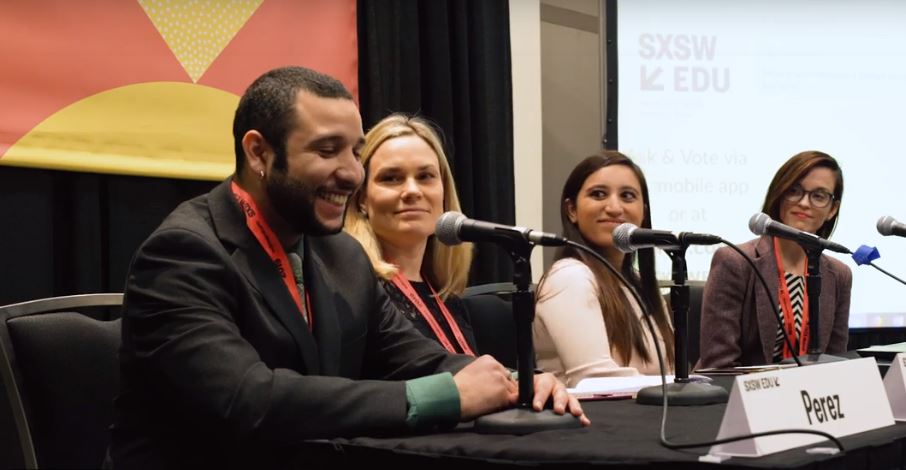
{"points": [[739, 325]]}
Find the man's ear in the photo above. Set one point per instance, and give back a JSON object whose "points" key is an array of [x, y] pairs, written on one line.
{"points": [[258, 153]]}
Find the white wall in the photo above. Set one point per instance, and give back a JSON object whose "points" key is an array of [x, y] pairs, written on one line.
{"points": [[571, 95], [525, 40], [557, 104]]}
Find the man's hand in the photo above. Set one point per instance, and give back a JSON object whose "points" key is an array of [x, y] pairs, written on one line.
{"points": [[484, 386], [546, 386]]}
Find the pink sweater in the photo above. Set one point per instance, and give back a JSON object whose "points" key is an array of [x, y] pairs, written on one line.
{"points": [[569, 332]]}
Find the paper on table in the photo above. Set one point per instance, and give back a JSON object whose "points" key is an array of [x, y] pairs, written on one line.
{"points": [[886, 351], [632, 383], [739, 370]]}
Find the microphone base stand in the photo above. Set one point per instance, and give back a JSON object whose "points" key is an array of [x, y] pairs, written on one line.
{"points": [[523, 419], [813, 287], [683, 391], [686, 393]]}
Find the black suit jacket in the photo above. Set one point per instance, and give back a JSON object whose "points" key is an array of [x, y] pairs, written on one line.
{"points": [[219, 369]]}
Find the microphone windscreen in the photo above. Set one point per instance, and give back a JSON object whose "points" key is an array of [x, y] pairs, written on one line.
{"points": [[865, 254], [885, 225], [447, 228], [622, 237], [758, 224]]}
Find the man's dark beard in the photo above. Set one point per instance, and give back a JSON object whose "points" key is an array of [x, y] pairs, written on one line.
{"points": [[294, 201]]}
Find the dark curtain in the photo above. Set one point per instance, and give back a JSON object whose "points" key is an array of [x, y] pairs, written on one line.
{"points": [[449, 61], [73, 233]]}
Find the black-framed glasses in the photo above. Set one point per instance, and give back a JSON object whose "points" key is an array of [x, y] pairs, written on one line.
{"points": [[819, 198]]}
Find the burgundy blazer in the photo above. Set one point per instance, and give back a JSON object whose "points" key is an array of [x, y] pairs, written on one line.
{"points": [[739, 321]]}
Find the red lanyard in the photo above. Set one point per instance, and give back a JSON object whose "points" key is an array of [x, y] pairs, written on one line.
{"points": [[268, 240], [406, 288], [786, 304]]}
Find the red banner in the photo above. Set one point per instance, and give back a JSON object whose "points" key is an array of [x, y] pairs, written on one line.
{"points": [[149, 87]]}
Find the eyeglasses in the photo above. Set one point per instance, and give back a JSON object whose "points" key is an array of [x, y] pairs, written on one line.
{"points": [[819, 198]]}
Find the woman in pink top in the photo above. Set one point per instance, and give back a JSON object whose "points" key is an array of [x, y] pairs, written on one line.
{"points": [[587, 324]]}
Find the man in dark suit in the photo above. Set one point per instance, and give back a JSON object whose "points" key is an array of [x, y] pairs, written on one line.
{"points": [[250, 323]]}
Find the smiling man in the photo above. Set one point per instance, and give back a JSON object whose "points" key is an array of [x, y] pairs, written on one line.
{"points": [[250, 323]]}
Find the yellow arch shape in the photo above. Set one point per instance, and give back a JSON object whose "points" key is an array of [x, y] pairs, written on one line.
{"points": [[164, 129]]}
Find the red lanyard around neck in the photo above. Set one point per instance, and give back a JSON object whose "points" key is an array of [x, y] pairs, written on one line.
{"points": [[406, 288], [786, 304], [268, 240]]}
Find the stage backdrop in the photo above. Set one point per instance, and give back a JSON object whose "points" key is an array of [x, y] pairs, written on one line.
{"points": [[715, 96], [149, 87]]}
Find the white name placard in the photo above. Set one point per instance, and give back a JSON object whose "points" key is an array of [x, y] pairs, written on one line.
{"points": [[839, 398], [895, 385]]}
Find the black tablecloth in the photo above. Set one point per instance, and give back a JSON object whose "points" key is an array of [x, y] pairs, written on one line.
{"points": [[622, 433]]}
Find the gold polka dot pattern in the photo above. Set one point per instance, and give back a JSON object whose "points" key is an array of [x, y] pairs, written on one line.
{"points": [[197, 31]]}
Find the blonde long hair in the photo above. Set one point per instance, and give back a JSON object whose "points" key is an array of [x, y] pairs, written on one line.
{"points": [[446, 267]]}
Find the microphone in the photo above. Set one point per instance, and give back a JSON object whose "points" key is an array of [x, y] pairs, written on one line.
{"points": [[762, 224], [628, 238], [454, 228], [887, 226]]}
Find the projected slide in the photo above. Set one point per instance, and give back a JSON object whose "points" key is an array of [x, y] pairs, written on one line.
{"points": [[714, 96]]}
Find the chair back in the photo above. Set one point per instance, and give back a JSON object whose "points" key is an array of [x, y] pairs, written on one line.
{"points": [[60, 371], [491, 313]]}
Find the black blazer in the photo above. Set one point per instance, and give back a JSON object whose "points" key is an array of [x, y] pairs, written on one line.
{"points": [[219, 369]]}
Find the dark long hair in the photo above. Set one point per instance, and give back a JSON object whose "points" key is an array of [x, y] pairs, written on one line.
{"points": [[791, 173], [624, 330]]}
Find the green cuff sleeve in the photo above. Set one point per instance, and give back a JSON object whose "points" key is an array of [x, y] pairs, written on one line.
{"points": [[433, 402]]}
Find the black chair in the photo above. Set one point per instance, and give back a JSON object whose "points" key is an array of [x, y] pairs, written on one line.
{"points": [[491, 312], [60, 371]]}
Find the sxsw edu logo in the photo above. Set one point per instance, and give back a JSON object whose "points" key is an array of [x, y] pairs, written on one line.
{"points": [[682, 63]]}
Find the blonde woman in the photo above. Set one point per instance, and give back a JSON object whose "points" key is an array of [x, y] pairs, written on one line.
{"points": [[408, 185]]}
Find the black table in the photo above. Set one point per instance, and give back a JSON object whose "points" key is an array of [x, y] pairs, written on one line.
{"points": [[623, 433]]}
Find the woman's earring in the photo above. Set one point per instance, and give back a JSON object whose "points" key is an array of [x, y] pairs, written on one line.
{"points": [[261, 174]]}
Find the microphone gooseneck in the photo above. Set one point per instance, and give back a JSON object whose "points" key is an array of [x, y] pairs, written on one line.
{"points": [[762, 224], [628, 238], [453, 228]]}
